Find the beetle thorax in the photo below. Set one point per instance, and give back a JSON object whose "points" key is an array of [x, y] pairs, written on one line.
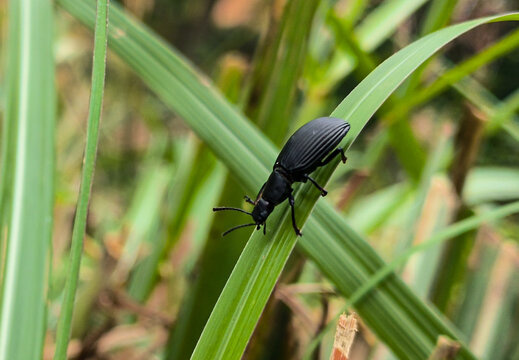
{"points": [[278, 187], [276, 190]]}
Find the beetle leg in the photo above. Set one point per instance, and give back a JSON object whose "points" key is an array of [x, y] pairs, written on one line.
{"points": [[249, 200], [265, 228], [294, 225], [323, 192], [333, 154]]}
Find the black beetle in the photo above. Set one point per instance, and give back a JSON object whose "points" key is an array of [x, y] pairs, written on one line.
{"points": [[307, 149]]}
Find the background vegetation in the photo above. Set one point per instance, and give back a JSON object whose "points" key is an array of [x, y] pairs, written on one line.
{"points": [[418, 234]]}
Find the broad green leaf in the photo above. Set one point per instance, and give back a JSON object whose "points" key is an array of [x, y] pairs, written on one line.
{"points": [[27, 187]]}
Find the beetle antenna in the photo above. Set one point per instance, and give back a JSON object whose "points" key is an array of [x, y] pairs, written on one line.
{"points": [[237, 227], [231, 208]]}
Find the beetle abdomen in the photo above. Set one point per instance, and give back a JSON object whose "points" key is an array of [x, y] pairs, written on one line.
{"points": [[311, 143]]}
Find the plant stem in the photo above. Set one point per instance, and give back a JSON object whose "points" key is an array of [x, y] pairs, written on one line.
{"points": [[78, 232]]}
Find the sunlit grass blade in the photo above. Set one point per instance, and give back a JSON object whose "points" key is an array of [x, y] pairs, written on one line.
{"points": [[78, 232], [394, 313], [27, 188]]}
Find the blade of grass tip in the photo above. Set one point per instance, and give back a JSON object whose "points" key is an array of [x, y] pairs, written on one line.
{"points": [[28, 187], [78, 232], [450, 232]]}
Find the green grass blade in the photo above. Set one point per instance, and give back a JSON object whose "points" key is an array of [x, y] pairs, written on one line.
{"points": [[384, 20], [142, 218], [144, 276], [409, 327], [486, 184], [27, 190], [438, 15], [279, 91], [78, 232], [242, 300]]}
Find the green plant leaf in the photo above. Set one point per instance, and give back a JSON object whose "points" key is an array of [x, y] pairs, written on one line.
{"points": [[78, 232], [27, 183], [485, 184]]}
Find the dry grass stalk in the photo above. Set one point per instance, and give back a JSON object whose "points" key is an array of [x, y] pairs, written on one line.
{"points": [[445, 349], [344, 336]]}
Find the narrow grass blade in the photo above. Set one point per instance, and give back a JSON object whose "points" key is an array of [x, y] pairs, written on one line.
{"points": [[78, 232], [384, 20], [27, 188], [483, 257], [276, 104]]}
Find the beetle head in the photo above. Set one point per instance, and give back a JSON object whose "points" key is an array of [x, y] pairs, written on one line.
{"points": [[261, 211], [259, 214]]}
